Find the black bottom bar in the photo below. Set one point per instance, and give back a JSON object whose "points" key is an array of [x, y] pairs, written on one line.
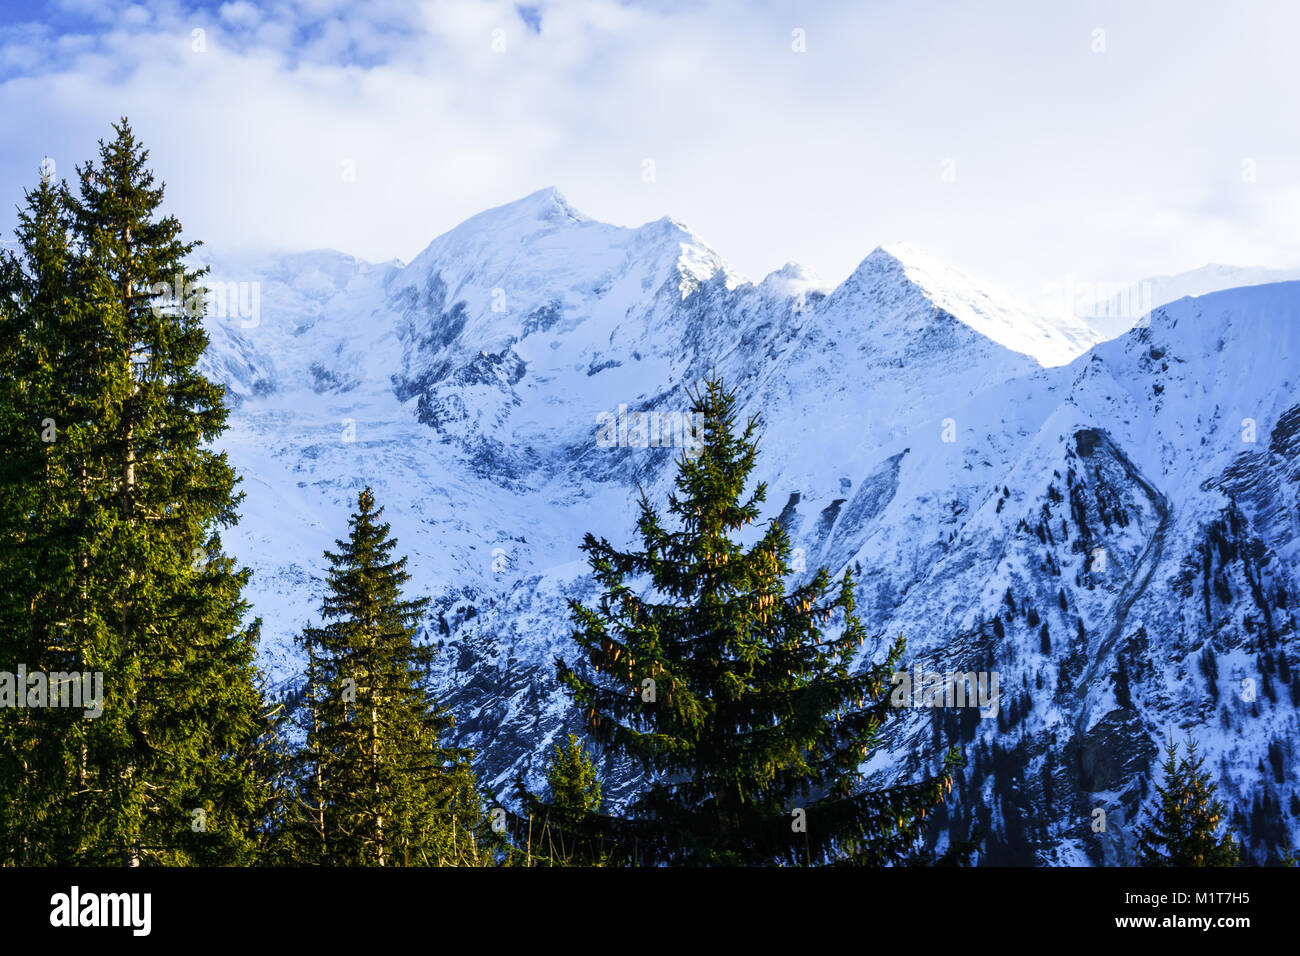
{"points": [[641, 906]]}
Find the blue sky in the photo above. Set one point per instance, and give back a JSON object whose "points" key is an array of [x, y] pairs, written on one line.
{"points": [[1022, 142]]}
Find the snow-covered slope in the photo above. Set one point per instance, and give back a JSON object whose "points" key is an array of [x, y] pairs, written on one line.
{"points": [[1114, 308], [1213, 278], [993, 312], [915, 425], [1133, 562]]}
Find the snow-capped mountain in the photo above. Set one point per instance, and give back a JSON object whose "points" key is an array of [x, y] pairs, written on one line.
{"points": [[1111, 528]]}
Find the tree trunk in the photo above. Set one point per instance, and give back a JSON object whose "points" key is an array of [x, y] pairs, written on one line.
{"points": [[128, 511]]}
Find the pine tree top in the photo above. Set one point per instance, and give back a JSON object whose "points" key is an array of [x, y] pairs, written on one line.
{"points": [[1182, 828]]}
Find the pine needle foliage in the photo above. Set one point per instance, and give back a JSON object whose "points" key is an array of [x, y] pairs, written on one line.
{"points": [[1182, 829]]}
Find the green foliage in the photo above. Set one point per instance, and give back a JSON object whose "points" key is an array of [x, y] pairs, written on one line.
{"points": [[1182, 828], [743, 699], [110, 557], [35, 291], [378, 787], [557, 832], [573, 779]]}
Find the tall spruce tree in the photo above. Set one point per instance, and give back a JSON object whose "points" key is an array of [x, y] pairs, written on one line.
{"points": [[379, 787], [738, 692], [39, 400], [124, 506], [1182, 828]]}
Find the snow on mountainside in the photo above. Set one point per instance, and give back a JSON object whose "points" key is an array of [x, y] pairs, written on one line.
{"points": [[1213, 278], [1113, 308], [1114, 537], [993, 313], [1120, 580]]}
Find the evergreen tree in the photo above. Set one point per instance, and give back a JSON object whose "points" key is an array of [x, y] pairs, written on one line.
{"points": [[124, 505], [286, 833], [740, 697], [379, 786], [38, 402], [573, 779], [552, 834], [1181, 830]]}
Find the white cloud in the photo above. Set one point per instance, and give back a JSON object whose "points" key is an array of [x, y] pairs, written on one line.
{"points": [[1115, 165]]}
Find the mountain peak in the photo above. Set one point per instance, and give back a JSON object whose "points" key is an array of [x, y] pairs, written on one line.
{"points": [[897, 251], [501, 228], [990, 311], [544, 205], [918, 264], [792, 279]]}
